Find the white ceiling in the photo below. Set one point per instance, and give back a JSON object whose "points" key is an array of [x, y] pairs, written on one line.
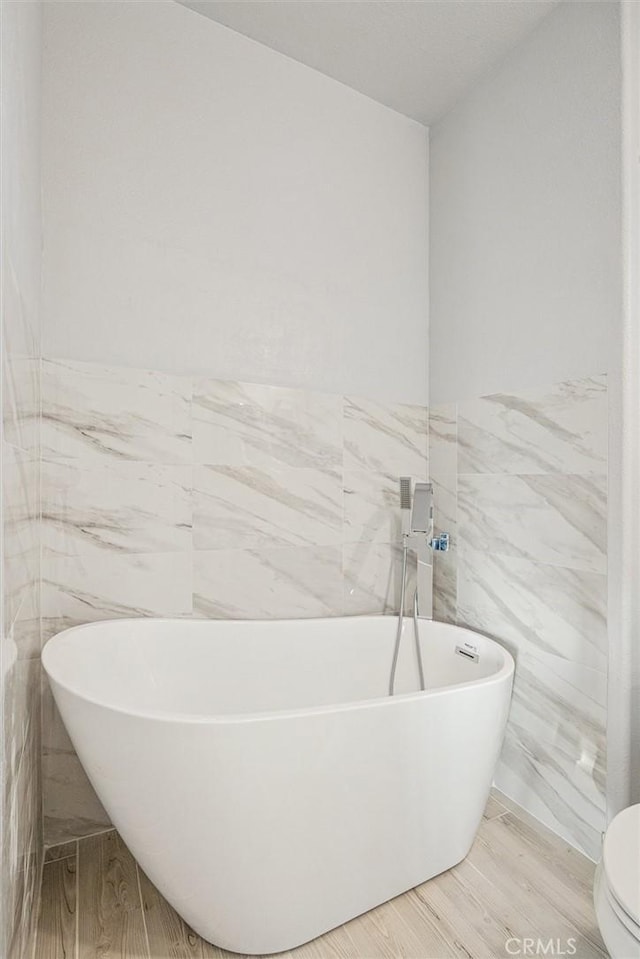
{"points": [[416, 56]]}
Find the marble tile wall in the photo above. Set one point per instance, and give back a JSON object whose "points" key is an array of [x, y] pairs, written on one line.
{"points": [[521, 484], [170, 495], [21, 839]]}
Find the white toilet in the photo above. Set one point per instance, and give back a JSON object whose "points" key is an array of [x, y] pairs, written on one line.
{"points": [[617, 886]]}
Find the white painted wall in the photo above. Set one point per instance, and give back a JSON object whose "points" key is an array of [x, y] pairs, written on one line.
{"points": [[525, 214], [212, 205]]}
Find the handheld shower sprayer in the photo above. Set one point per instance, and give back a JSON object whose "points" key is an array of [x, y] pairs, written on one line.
{"points": [[405, 504]]}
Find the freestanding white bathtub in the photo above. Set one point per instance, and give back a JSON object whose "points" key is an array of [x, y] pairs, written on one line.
{"points": [[260, 773]]}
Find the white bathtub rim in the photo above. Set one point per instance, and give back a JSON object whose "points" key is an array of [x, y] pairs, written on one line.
{"points": [[202, 719]]}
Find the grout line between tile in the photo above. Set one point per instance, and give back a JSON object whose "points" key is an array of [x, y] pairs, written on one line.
{"points": [[77, 839], [144, 918]]}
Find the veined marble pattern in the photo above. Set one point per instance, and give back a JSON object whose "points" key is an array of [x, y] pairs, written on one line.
{"points": [[20, 401], [443, 439], [372, 506], [377, 437], [21, 835], [445, 578], [373, 578], [92, 412], [246, 424], [553, 786], [564, 704], [21, 704], [20, 480], [533, 607], [71, 803], [528, 501], [560, 430], [94, 584], [20, 821], [246, 507], [445, 565], [554, 518], [267, 584], [179, 496], [443, 454], [119, 505]]}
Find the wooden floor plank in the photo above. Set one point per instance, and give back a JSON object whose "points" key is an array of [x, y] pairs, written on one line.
{"points": [[435, 940], [558, 879], [381, 934], [523, 916], [169, 935], [463, 916], [539, 837], [110, 917], [56, 932], [536, 883], [493, 808], [532, 837], [518, 881], [336, 944], [62, 851], [211, 951]]}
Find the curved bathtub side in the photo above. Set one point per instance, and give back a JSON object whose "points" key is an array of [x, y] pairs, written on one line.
{"points": [[265, 833]]}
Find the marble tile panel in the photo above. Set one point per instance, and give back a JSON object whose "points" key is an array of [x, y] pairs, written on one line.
{"points": [[117, 505], [554, 519], [535, 608], [20, 706], [238, 507], [20, 481], [373, 578], [22, 803], [445, 586], [25, 631], [387, 438], [22, 845], [247, 424], [93, 412], [21, 401], [20, 294], [267, 584], [443, 439], [372, 506], [563, 704], [55, 737], [94, 584], [445, 503], [559, 430], [552, 786], [71, 807], [443, 475], [445, 564]]}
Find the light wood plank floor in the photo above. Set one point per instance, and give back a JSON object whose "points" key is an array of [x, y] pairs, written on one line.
{"points": [[519, 881]]}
